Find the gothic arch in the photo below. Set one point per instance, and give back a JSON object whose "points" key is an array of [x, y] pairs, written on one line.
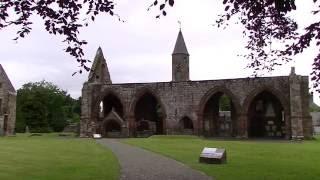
{"points": [[235, 106], [106, 93], [142, 92], [280, 96], [186, 123], [111, 125], [158, 123], [255, 108], [213, 91]]}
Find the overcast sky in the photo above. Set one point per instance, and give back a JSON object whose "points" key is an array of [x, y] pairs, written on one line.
{"points": [[139, 50]]}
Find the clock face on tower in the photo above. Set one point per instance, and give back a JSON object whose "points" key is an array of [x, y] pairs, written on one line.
{"points": [[179, 68]]}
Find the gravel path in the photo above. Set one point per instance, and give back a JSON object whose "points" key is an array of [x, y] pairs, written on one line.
{"points": [[140, 164]]}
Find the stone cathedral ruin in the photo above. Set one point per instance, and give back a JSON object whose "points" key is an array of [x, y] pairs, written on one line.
{"points": [[7, 104], [267, 107]]}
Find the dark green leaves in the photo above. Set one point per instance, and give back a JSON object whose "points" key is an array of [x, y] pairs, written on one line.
{"points": [[162, 6], [171, 2], [43, 107]]}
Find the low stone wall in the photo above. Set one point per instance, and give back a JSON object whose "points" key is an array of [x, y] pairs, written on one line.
{"points": [[315, 122], [72, 128], [316, 130]]}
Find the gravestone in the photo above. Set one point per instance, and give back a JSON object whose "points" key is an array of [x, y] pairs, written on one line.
{"points": [[213, 156], [27, 129]]}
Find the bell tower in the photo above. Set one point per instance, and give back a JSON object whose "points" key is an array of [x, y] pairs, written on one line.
{"points": [[180, 60]]}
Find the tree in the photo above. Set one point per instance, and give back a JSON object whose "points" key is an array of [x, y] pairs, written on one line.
{"points": [[43, 107], [224, 103], [34, 116], [265, 22], [76, 110]]}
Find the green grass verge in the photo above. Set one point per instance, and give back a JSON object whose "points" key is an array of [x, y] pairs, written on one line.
{"points": [[58, 158], [245, 159]]}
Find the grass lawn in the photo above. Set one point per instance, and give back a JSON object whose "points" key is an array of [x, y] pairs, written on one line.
{"points": [[245, 159], [51, 157]]}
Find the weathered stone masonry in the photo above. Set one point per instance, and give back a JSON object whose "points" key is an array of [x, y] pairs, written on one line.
{"points": [[261, 107], [7, 104]]}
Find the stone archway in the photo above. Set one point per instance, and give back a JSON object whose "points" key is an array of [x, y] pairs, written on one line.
{"points": [[186, 125], [109, 108], [266, 116], [111, 102], [148, 114], [107, 105], [216, 121], [107, 100], [113, 125], [112, 128], [280, 96]]}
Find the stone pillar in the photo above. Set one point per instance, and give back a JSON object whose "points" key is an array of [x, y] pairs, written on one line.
{"points": [[198, 128], [83, 127], [295, 105], [242, 126], [85, 110], [131, 125], [169, 125], [11, 114], [306, 119], [288, 126]]}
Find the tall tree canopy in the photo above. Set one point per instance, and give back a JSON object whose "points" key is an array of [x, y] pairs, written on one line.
{"points": [[43, 107], [265, 22]]}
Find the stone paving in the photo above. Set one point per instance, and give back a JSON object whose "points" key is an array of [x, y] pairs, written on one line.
{"points": [[140, 164]]}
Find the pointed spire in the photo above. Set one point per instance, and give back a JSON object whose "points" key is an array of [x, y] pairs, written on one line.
{"points": [[99, 52], [99, 70], [5, 79], [180, 47]]}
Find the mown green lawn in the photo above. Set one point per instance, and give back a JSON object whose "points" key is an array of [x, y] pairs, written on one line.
{"points": [[247, 160], [51, 157]]}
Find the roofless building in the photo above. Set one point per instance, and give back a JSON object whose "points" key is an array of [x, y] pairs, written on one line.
{"points": [[267, 107]]}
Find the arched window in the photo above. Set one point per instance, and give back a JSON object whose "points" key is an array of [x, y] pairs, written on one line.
{"points": [[186, 123], [148, 108], [266, 116], [112, 126], [219, 116], [110, 102]]}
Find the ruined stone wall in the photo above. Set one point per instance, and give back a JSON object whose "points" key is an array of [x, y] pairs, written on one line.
{"points": [[188, 98], [307, 119], [12, 97], [316, 122], [8, 108]]}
